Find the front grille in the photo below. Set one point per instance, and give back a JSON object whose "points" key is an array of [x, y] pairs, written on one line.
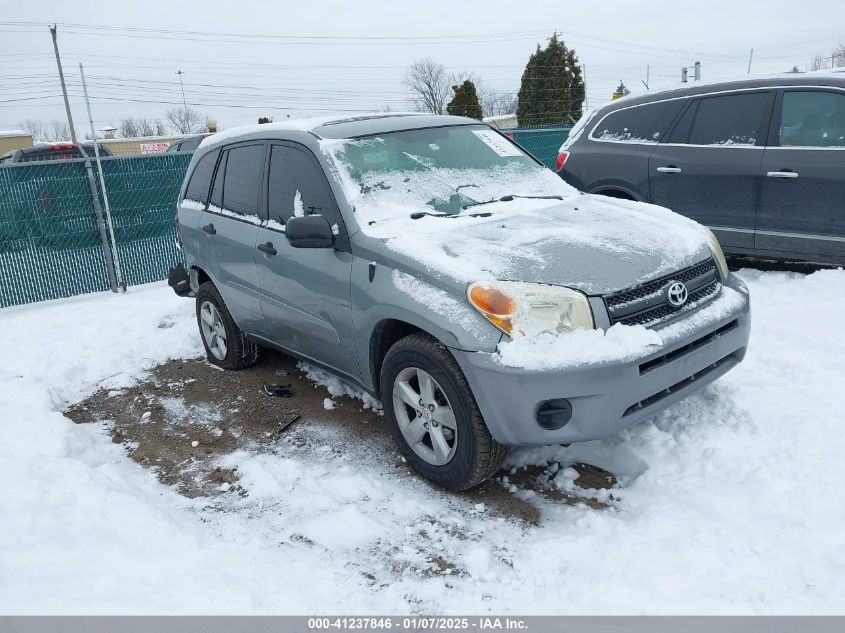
{"points": [[665, 393], [698, 343], [646, 305]]}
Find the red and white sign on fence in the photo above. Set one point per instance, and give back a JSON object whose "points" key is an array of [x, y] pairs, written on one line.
{"points": [[154, 148]]}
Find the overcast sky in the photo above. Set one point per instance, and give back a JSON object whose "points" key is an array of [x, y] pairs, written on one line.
{"points": [[331, 66]]}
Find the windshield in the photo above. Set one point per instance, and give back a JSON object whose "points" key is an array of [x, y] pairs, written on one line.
{"points": [[440, 171]]}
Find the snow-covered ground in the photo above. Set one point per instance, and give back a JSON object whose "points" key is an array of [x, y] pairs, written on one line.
{"points": [[732, 501]]}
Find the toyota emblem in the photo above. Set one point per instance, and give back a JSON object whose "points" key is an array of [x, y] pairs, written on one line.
{"points": [[676, 294]]}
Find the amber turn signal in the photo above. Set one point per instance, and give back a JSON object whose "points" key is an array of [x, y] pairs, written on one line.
{"points": [[494, 304]]}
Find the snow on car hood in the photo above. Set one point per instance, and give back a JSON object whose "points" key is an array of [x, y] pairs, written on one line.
{"points": [[593, 243]]}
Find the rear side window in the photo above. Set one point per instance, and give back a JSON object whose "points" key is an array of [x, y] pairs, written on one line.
{"points": [[812, 119], [298, 186], [638, 124], [731, 119], [241, 183], [201, 178]]}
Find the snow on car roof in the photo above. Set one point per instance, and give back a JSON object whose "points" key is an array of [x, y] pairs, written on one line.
{"points": [[307, 124]]}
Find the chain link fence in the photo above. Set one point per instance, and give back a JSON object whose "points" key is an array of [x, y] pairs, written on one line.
{"points": [[541, 141], [51, 245]]}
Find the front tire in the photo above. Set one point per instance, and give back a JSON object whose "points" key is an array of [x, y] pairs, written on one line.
{"points": [[433, 417], [225, 344]]}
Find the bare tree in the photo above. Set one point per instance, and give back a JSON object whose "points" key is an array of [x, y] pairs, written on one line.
{"points": [[128, 128], [818, 62], [46, 132], [184, 120], [36, 128], [839, 56], [133, 128], [836, 59], [497, 103], [151, 127], [429, 84], [58, 131]]}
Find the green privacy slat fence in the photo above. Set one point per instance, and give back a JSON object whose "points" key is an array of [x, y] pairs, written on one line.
{"points": [[49, 242], [142, 192], [541, 142], [49, 245]]}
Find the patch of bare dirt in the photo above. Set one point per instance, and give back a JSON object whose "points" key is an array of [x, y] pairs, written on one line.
{"points": [[189, 413]]}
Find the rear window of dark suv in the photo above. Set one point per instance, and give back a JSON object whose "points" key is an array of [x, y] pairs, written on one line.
{"points": [[637, 124]]}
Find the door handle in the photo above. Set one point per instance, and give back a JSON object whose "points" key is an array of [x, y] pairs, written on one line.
{"points": [[670, 169], [209, 228], [267, 248], [782, 174]]}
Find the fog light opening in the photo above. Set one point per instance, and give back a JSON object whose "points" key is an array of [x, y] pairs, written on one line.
{"points": [[554, 414]]}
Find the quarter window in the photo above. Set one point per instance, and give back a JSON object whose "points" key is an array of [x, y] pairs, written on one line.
{"points": [[244, 166], [637, 124], [731, 120], [201, 178], [681, 131], [217, 189], [297, 186], [812, 119]]}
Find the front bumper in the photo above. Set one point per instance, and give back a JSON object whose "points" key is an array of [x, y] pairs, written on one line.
{"points": [[608, 397]]}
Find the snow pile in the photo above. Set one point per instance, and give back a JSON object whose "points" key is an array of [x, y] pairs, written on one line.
{"points": [[550, 351], [337, 386]]}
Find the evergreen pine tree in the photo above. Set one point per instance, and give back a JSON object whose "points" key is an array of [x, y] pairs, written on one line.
{"points": [[465, 101], [621, 90], [552, 89]]}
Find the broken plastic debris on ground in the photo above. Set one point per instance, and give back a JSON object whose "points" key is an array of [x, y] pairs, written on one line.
{"points": [[726, 502]]}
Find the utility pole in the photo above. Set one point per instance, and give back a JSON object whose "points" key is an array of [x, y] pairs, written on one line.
{"points": [[584, 76], [647, 74], [64, 87], [118, 275], [750, 56], [184, 102]]}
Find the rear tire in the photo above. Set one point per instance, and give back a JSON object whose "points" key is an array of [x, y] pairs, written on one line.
{"points": [[225, 344], [425, 394]]}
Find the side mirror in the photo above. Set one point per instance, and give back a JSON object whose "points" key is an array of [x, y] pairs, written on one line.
{"points": [[309, 231]]}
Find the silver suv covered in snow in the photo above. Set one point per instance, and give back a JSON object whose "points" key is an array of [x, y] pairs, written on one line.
{"points": [[431, 261]]}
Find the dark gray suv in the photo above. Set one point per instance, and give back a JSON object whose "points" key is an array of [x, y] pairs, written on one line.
{"points": [[760, 161]]}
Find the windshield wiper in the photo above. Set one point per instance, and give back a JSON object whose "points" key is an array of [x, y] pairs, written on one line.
{"points": [[510, 197], [421, 214]]}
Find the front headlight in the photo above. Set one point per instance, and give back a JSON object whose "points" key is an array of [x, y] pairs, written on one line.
{"points": [[526, 309], [717, 253]]}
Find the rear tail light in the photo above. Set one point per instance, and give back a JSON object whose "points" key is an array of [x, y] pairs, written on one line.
{"points": [[561, 160], [62, 147]]}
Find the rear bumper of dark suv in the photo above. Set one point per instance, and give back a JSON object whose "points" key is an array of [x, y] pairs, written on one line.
{"points": [[599, 400]]}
